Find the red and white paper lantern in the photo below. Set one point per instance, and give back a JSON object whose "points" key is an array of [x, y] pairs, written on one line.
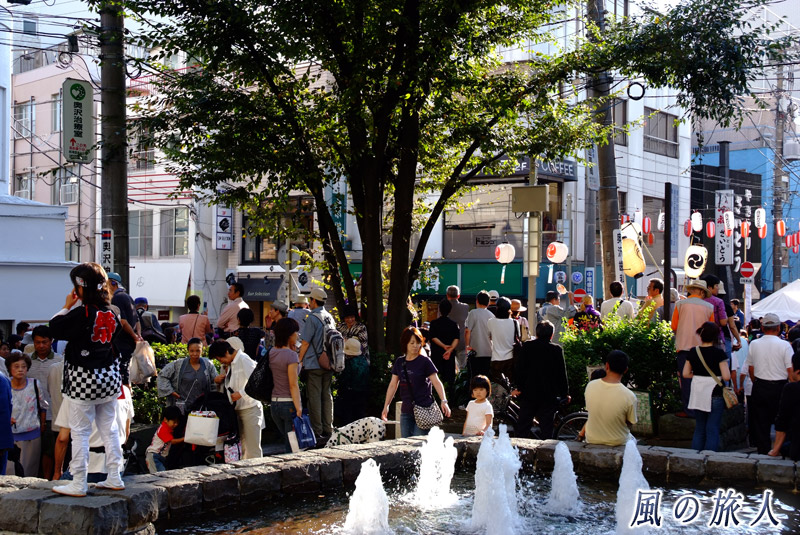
{"points": [[762, 232], [780, 227], [796, 249], [789, 241], [729, 221], [687, 228], [711, 229], [745, 229], [647, 225], [650, 239], [697, 222], [662, 221], [624, 218]]}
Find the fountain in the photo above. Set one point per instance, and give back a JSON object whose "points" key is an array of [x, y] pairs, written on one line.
{"points": [[369, 505], [436, 469], [563, 498], [494, 510], [631, 480]]}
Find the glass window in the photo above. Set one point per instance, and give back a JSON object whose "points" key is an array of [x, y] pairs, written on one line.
{"points": [[65, 187], [24, 119], [175, 232], [140, 232], [260, 246], [55, 116], [660, 133], [619, 114], [257, 248], [29, 26], [71, 251], [23, 186]]}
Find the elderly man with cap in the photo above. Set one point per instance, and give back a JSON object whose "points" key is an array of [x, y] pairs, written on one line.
{"points": [[690, 314], [277, 311], [126, 341], [300, 311], [769, 364], [553, 312], [320, 400], [458, 314], [149, 321], [494, 295]]}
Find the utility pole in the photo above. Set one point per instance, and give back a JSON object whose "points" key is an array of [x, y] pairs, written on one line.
{"points": [[778, 187], [114, 171], [606, 165]]}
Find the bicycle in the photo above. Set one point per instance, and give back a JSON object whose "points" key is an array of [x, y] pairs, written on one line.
{"points": [[506, 410]]}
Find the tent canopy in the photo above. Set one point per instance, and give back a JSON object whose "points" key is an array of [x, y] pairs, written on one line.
{"points": [[785, 303]]}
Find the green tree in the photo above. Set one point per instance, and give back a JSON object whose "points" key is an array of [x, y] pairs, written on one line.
{"points": [[399, 98]]}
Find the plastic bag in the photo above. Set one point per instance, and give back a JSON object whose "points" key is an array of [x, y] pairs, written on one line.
{"points": [[202, 428], [305, 435], [143, 363]]}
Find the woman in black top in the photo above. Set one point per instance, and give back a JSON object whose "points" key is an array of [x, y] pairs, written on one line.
{"points": [[706, 394], [250, 336]]}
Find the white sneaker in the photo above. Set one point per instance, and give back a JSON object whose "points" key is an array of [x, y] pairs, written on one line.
{"points": [[112, 482], [73, 488]]}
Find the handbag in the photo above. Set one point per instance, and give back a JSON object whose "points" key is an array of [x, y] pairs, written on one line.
{"points": [[144, 363], [425, 417], [727, 392], [260, 384], [202, 428], [517, 347], [304, 433]]}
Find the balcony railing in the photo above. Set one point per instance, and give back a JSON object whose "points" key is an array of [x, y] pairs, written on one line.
{"points": [[661, 146], [142, 161]]}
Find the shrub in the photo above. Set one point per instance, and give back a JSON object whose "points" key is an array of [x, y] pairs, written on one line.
{"points": [[651, 349], [146, 405]]}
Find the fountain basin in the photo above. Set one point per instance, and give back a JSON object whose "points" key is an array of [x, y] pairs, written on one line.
{"points": [[28, 506]]}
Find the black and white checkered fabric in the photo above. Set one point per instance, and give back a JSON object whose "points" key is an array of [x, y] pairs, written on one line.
{"points": [[86, 384]]}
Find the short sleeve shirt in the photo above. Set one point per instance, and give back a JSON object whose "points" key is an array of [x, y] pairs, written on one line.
{"points": [[161, 440], [279, 361], [478, 325], [476, 416], [418, 372], [611, 407]]}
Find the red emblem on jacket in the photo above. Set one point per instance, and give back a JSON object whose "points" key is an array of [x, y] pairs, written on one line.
{"points": [[104, 326]]}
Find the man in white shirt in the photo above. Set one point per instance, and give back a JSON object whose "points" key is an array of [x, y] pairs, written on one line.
{"points": [[476, 335], [769, 363], [229, 321], [625, 309], [42, 359]]}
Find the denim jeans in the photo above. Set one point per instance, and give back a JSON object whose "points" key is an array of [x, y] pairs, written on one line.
{"points": [[408, 426], [283, 415], [706, 426], [686, 383], [155, 462]]}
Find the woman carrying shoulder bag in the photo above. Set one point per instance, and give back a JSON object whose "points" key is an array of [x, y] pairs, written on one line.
{"points": [[706, 394]]}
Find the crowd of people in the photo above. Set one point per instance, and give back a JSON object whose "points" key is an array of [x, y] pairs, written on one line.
{"points": [[79, 391]]}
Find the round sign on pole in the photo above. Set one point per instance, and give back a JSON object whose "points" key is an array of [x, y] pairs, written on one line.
{"points": [[579, 294], [577, 277], [747, 270], [561, 277]]}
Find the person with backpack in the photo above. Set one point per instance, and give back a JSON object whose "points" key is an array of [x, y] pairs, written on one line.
{"points": [[320, 399], [285, 365], [27, 415], [151, 328]]}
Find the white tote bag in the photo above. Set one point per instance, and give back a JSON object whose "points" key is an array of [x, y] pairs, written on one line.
{"points": [[202, 428]]}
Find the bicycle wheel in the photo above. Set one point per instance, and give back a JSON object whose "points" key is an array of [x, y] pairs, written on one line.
{"points": [[571, 425]]}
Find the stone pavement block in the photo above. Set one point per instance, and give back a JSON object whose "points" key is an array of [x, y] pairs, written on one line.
{"points": [[775, 471], [598, 460], [545, 453], [655, 463], [725, 468], [140, 478], [92, 515], [299, 476], [147, 529], [19, 482], [685, 466], [220, 490], [244, 463], [331, 472], [19, 510], [145, 502], [257, 482], [350, 461], [193, 472], [396, 459], [184, 496]]}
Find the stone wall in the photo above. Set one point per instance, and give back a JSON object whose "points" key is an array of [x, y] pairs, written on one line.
{"points": [[27, 505]]}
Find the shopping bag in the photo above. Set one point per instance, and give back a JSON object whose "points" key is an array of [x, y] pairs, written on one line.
{"points": [[305, 435], [202, 428], [233, 452], [143, 365]]}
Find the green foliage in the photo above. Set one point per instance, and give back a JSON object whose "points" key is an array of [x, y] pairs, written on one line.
{"points": [[651, 349], [146, 405], [380, 373]]}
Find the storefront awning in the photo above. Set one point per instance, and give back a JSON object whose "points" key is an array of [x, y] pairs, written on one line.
{"points": [[162, 283]]}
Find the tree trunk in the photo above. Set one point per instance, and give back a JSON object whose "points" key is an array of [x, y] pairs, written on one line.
{"points": [[606, 164]]}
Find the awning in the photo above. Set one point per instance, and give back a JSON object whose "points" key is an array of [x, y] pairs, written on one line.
{"points": [[162, 283]]}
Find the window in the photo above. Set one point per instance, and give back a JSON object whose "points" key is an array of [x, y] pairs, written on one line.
{"points": [[55, 115], [175, 232], [619, 115], [143, 156], [71, 253], [24, 121], [23, 186], [257, 249], [65, 187], [140, 232], [660, 133], [29, 26], [622, 199], [262, 247]]}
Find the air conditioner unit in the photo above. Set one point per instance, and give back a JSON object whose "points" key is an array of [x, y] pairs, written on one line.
{"points": [[791, 151]]}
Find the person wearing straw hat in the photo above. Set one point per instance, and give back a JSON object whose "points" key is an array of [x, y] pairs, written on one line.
{"points": [[353, 384], [516, 310], [690, 314], [318, 385]]}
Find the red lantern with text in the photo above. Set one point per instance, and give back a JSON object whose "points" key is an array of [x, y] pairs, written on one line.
{"points": [[762, 232], [711, 229], [647, 225], [697, 222], [780, 227], [745, 230], [650, 239], [687, 228], [789, 241], [729, 221]]}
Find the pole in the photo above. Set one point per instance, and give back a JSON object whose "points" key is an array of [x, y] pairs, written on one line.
{"points": [[590, 212], [778, 188], [668, 249], [571, 241], [114, 171], [606, 164]]}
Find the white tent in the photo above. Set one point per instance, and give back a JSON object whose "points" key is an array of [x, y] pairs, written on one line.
{"points": [[785, 303]]}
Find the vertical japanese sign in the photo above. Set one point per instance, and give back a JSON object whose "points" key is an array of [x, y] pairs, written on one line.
{"points": [[589, 277], [223, 231], [107, 249], [618, 265], [723, 245], [77, 121]]}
